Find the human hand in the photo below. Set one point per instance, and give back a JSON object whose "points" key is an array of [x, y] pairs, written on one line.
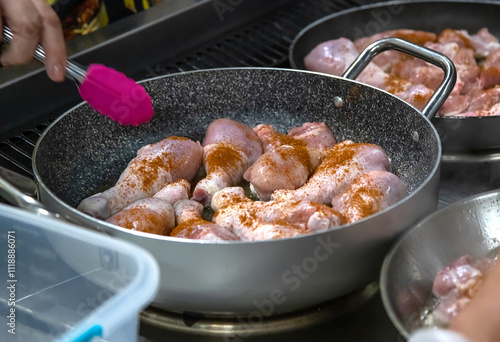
{"points": [[33, 22], [480, 319]]}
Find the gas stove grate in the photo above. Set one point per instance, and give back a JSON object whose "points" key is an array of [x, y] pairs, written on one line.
{"points": [[264, 43]]}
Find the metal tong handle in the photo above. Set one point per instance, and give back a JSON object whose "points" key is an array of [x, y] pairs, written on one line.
{"points": [[428, 55], [74, 71]]}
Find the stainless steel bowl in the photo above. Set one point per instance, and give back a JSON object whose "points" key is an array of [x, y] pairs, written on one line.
{"points": [[470, 226]]}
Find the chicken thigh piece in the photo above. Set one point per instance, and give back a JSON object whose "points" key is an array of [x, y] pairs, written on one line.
{"points": [[371, 193], [155, 165], [286, 167], [153, 215], [229, 148], [190, 225], [332, 57], [343, 164], [251, 221]]}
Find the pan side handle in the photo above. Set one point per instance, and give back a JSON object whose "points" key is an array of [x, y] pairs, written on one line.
{"points": [[20, 190], [428, 55]]}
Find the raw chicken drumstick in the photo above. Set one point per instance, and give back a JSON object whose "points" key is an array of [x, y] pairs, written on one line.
{"points": [[310, 134], [371, 193], [290, 159], [286, 167], [251, 221], [229, 148], [314, 134], [155, 165], [153, 215], [343, 164], [190, 225]]}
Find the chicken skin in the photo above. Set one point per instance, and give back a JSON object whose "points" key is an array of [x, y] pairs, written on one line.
{"points": [[154, 166], [286, 167], [311, 134], [190, 225], [371, 193], [153, 215], [149, 215], [334, 57], [456, 285], [229, 148], [252, 221], [342, 165], [314, 134], [289, 159]]}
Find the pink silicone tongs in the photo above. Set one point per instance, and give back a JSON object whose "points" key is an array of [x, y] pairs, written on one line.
{"points": [[108, 91]]}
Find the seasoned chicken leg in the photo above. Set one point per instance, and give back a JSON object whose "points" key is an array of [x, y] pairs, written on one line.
{"points": [[174, 192], [190, 225], [314, 134], [251, 221], [310, 134], [229, 148], [153, 215], [371, 193], [154, 166], [286, 167], [150, 215], [343, 164]]}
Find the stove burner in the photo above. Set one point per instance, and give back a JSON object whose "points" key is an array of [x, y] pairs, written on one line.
{"points": [[253, 324]]}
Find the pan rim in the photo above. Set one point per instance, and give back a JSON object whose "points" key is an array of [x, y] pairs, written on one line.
{"points": [[98, 222], [302, 32]]}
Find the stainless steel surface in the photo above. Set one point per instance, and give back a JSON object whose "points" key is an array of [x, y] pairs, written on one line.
{"points": [[470, 226], [434, 57], [73, 71], [457, 134]]}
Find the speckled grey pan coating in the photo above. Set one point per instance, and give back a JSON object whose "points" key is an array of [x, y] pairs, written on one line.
{"points": [[457, 134], [84, 152]]}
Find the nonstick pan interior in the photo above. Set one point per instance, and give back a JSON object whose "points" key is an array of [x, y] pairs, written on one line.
{"points": [[83, 152]]}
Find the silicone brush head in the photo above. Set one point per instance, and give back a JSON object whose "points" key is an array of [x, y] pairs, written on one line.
{"points": [[116, 96]]}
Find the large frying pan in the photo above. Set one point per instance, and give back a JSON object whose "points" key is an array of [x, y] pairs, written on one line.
{"points": [[457, 134], [82, 153]]}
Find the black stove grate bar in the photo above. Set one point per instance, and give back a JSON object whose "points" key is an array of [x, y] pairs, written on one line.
{"points": [[263, 43]]}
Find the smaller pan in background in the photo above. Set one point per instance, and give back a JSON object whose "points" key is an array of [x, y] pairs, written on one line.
{"points": [[458, 135]]}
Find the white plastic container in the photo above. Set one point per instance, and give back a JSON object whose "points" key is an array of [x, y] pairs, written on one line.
{"points": [[61, 282]]}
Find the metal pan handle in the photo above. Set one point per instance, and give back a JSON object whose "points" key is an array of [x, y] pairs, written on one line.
{"points": [[23, 199], [428, 55]]}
